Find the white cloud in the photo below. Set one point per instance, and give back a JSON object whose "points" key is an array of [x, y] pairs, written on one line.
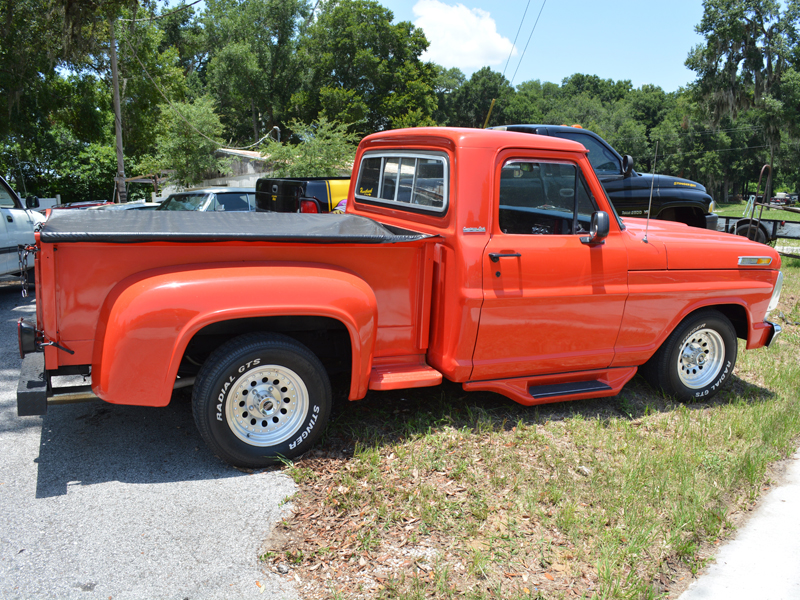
{"points": [[461, 37]]}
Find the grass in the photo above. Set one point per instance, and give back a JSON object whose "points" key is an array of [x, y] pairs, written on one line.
{"points": [[440, 493]]}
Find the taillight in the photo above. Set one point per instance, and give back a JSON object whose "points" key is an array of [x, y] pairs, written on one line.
{"points": [[308, 206]]}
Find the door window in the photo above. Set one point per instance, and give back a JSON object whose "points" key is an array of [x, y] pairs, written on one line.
{"points": [[544, 198], [6, 197]]}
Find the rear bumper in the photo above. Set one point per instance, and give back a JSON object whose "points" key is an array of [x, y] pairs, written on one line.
{"points": [[32, 386], [35, 390]]}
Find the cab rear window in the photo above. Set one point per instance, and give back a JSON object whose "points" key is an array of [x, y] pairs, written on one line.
{"points": [[404, 181]]}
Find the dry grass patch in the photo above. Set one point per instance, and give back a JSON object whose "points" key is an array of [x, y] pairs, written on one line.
{"points": [[439, 493]]}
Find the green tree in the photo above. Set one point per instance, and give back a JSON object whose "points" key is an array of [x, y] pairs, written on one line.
{"points": [[356, 62], [473, 100], [749, 45], [188, 137], [147, 75], [252, 70], [323, 149], [447, 82]]}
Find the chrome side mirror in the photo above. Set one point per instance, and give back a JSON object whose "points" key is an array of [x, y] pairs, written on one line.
{"points": [[598, 230]]}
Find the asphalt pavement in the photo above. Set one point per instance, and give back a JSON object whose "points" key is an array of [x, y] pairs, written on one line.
{"points": [[115, 502]]}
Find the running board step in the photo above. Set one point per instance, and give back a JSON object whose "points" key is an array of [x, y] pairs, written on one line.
{"points": [[404, 375], [565, 389]]}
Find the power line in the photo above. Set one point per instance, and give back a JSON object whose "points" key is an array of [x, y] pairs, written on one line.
{"points": [[697, 133], [528, 42], [712, 151], [179, 113], [514, 44], [161, 16]]}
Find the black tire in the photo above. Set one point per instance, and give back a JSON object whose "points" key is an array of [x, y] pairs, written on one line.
{"points": [[697, 359], [753, 232], [260, 397]]}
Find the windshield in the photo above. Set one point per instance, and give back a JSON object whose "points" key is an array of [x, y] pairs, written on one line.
{"points": [[186, 202]]}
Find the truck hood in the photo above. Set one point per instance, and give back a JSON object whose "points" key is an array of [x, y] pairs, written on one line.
{"points": [[676, 246], [664, 182]]}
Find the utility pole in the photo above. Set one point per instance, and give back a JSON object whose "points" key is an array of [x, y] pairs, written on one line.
{"points": [[121, 193]]}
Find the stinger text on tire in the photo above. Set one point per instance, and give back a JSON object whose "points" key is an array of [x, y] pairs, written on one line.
{"points": [[697, 359], [261, 397]]}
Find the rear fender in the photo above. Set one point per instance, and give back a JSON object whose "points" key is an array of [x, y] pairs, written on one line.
{"points": [[149, 318]]}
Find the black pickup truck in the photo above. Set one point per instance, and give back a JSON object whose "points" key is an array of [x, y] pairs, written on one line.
{"points": [[674, 199]]}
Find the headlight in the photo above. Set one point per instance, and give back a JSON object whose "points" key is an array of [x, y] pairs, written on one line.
{"points": [[776, 293]]}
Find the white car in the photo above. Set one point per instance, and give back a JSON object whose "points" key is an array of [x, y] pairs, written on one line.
{"points": [[17, 227]]}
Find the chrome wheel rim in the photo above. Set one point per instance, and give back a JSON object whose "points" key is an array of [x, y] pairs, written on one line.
{"points": [[267, 405], [700, 358]]}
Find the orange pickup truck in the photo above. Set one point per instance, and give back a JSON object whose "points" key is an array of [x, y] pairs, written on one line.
{"points": [[490, 258]]}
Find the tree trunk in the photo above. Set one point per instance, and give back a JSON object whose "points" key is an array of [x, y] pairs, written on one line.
{"points": [[255, 121]]}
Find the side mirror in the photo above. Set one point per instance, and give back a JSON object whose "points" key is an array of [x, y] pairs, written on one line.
{"points": [[31, 202], [598, 230], [627, 165]]}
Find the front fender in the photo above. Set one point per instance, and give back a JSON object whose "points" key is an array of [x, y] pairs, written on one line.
{"points": [[149, 318]]}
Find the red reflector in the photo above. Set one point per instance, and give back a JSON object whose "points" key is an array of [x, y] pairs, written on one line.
{"points": [[308, 206]]}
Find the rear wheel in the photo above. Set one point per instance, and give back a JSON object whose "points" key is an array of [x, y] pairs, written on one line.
{"points": [[260, 397], [697, 359]]}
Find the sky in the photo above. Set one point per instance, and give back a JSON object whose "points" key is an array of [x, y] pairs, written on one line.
{"points": [[644, 41]]}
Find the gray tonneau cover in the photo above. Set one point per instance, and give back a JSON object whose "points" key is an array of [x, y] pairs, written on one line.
{"points": [[73, 225]]}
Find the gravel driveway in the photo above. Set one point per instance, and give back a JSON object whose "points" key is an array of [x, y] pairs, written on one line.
{"points": [[114, 502]]}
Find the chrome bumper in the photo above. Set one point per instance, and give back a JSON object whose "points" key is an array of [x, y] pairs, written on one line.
{"points": [[776, 331]]}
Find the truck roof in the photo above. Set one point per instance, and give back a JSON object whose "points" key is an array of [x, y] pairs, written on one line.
{"points": [[460, 137]]}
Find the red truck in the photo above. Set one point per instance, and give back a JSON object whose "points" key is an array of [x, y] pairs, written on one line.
{"points": [[491, 258]]}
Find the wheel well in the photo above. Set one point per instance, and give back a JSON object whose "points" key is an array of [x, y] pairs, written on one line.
{"points": [[684, 214], [736, 314], [327, 338]]}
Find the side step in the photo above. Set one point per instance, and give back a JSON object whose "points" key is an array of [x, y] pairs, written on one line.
{"points": [[403, 375], [567, 389], [541, 389]]}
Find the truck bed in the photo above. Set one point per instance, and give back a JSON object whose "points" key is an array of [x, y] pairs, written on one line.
{"points": [[137, 226], [85, 257]]}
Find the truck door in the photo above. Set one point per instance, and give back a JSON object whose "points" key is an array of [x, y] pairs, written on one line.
{"points": [[551, 303]]}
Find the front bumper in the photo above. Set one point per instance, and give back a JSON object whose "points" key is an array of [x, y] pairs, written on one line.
{"points": [[762, 334], [776, 331], [711, 221]]}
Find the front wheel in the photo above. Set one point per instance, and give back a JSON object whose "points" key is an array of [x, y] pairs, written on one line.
{"points": [[260, 397], [697, 359]]}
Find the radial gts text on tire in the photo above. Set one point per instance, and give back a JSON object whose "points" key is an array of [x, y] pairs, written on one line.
{"points": [[697, 359], [259, 397]]}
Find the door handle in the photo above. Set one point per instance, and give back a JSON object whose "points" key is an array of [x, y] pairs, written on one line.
{"points": [[9, 219], [495, 257]]}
